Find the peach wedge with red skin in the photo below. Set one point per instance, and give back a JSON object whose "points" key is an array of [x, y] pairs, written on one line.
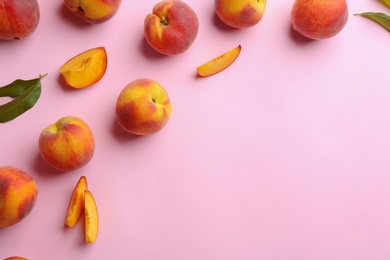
{"points": [[172, 27], [219, 63], [18, 194], [91, 218], [143, 107], [93, 11], [86, 68], [76, 204], [67, 144], [240, 13]]}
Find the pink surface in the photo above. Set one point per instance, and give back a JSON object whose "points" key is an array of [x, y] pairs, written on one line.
{"points": [[284, 155]]}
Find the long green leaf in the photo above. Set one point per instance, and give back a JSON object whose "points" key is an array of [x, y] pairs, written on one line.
{"points": [[380, 18], [26, 93], [17, 87]]}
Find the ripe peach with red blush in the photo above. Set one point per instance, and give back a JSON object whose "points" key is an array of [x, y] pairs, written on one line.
{"points": [[172, 27]]}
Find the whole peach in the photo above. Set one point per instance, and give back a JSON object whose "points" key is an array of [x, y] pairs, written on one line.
{"points": [[68, 144], [93, 11], [143, 107], [18, 194], [240, 13], [172, 27], [18, 18], [319, 19]]}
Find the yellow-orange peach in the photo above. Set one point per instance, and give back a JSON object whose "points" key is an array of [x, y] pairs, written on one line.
{"points": [[18, 194], [240, 13], [67, 144], [143, 107], [319, 19], [94, 11], [18, 19], [172, 27]]}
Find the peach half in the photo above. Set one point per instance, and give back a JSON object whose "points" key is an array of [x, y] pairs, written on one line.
{"points": [[91, 219], [219, 63], [76, 204], [86, 68]]}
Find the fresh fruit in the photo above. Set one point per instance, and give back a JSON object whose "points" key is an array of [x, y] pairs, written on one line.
{"points": [[15, 258], [143, 107], [18, 19], [76, 204], [91, 218], [219, 63], [319, 19], [86, 68], [67, 144], [240, 13], [172, 27], [94, 11], [18, 194]]}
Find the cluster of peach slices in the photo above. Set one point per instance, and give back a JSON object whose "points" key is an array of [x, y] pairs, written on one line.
{"points": [[81, 201]]}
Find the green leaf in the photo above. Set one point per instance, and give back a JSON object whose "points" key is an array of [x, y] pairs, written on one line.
{"points": [[380, 18], [25, 93]]}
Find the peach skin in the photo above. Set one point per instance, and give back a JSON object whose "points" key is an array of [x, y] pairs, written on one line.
{"points": [[93, 11], [67, 144], [240, 13], [18, 19], [172, 27], [18, 194], [143, 107], [319, 19]]}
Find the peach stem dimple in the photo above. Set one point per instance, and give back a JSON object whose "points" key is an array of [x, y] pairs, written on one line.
{"points": [[164, 21]]}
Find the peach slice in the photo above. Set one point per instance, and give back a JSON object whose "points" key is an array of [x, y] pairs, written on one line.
{"points": [[15, 258], [76, 204], [86, 68], [91, 218], [219, 63]]}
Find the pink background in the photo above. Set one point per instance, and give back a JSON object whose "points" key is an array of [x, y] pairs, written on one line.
{"points": [[284, 155]]}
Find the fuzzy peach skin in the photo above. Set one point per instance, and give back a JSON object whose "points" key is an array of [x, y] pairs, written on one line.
{"points": [[143, 107], [18, 18], [319, 19], [172, 27], [67, 144], [240, 13], [18, 194], [94, 11]]}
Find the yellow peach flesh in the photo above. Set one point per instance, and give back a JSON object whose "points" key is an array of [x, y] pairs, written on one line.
{"points": [[90, 217], [219, 63], [85, 69], [76, 204]]}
